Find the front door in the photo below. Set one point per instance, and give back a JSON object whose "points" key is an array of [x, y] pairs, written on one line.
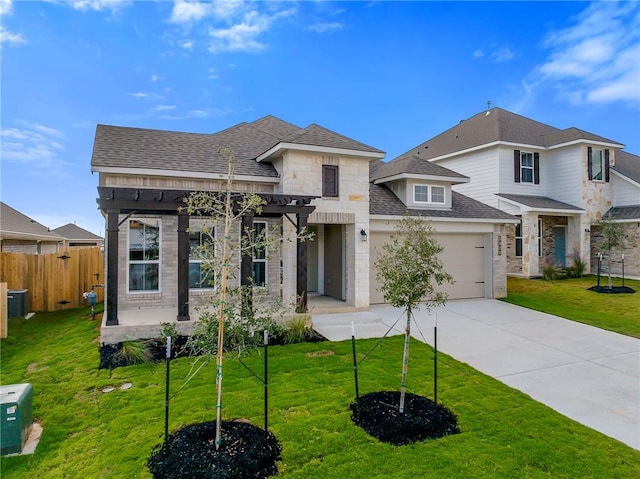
{"points": [[333, 261], [560, 255]]}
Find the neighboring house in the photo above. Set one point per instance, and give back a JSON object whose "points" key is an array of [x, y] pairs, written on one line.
{"points": [[21, 234], [309, 177], [76, 236], [558, 182]]}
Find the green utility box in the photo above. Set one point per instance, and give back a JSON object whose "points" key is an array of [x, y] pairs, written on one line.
{"points": [[16, 417]]}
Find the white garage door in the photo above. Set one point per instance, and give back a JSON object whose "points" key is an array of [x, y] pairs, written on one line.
{"points": [[463, 258]]}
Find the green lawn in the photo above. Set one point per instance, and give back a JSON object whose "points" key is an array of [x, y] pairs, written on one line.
{"points": [[571, 299], [89, 434]]}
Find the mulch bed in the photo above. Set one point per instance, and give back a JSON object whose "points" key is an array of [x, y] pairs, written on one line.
{"points": [[612, 290], [378, 414], [246, 452]]}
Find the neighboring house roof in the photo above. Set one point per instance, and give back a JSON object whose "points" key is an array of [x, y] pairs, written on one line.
{"points": [[123, 147], [382, 201], [412, 165], [73, 232], [624, 213], [498, 125], [628, 164], [539, 202], [18, 226]]}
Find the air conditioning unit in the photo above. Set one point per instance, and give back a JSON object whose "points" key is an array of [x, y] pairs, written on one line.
{"points": [[16, 417]]}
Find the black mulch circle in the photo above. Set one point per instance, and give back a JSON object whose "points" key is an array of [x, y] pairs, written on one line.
{"points": [[246, 452], [379, 415], [612, 290]]}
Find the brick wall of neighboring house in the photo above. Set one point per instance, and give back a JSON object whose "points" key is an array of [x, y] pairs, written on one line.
{"points": [[547, 255], [631, 252], [28, 247], [514, 263]]}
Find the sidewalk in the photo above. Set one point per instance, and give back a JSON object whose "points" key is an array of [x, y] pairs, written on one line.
{"points": [[585, 373]]}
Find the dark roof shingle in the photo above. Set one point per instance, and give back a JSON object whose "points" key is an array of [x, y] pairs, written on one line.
{"points": [[625, 213], [412, 164], [628, 165], [542, 202]]}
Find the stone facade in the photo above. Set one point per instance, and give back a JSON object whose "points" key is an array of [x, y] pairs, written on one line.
{"points": [[631, 252]]}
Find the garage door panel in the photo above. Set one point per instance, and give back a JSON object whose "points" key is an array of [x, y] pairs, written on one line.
{"points": [[463, 258]]}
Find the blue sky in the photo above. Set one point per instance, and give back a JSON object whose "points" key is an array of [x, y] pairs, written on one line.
{"points": [[389, 74]]}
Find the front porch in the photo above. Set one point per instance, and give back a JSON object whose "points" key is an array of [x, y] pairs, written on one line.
{"points": [[147, 323]]}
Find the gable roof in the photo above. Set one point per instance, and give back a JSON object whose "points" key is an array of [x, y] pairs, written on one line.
{"points": [[139, 148], [498, 125], [16, 225], [410, 166], [628, 165], [382, 201], [72, 232]]}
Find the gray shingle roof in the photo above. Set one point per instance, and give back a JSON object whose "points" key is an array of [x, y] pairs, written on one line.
{"points": [[499, 125], [383, 201], [123, 147], [541, 202], [412, 164], [16, 225], [628, 165], [71, 231], [625, 213]]}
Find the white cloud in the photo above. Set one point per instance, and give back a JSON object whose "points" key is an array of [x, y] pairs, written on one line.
{"points": [[155, 78], [6, 6], [139, 94], [478, 54], [35, 145], [187, 12], [164, 108], [242, 36], [326, 27], [502, 55], [212, 74], [84, 5], [9, 37], [597, 60], [187, 44]]}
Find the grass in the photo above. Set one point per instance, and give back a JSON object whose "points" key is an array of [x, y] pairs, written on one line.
{"points": [[571, 299], [90, 434]]}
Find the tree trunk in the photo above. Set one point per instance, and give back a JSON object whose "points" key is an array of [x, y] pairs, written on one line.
{"points": [[610, 282], [405, 358]]}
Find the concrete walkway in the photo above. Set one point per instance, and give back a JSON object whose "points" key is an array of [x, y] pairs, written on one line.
{"points": [[586, 373]]}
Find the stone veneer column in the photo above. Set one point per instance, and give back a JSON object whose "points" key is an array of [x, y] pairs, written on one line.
{"points": [[530, 259]]}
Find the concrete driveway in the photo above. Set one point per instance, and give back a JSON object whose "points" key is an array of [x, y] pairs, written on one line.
{"points": [[586, 373]]}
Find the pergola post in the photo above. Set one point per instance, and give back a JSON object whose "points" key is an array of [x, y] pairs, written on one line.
{"points": [[301, 264], [246, 267], [183, 266], [112, 267]]}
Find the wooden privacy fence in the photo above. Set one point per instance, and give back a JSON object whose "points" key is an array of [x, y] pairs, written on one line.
{"points": [[56, 280]]}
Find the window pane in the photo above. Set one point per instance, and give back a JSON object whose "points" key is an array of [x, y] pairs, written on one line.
{"points": [[198, 278], [259, 273], [143, 277], [437, 194], [421, 193], [144, 239], [527, 175], [597, 166], [259, 236], [519, 239], [329, 180], [527, 159]]}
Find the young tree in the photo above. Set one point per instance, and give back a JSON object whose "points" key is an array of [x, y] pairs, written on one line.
{"points": [[229, 319], [408, 272], [613, 236]]}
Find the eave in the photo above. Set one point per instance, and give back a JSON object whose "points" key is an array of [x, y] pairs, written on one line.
{"points": [[280, 148]]}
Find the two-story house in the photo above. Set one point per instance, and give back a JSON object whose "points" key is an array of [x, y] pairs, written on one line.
{"points": [[313, 177], [558, 182]]}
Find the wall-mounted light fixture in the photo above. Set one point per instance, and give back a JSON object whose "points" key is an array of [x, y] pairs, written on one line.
{"points": [[363, 235]]}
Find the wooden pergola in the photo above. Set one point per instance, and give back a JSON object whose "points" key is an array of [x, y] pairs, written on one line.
{"points": [[130, 201]]}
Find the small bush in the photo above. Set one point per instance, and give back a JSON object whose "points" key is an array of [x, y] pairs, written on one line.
{"points": [[298, 329], [551, 272], [133, 352]]}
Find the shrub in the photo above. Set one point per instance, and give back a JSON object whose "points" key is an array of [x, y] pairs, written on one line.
{"points": [[298, 328], [577, 268], [551, 272], [133, 352]]}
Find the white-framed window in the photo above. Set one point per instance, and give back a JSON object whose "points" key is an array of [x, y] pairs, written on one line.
{"points": [[526, 167], [259, 254], [428, 194], [199, 277], [144, 254], [596, 165], [519, 239]]}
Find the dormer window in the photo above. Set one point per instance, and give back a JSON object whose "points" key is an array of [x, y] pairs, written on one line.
{"points": [[428, 194]]}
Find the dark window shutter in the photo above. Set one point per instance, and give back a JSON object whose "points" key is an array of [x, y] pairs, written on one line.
{"points": [[329, 180], [516, 166], [536, 168], [589, 166], [606, 165]]}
